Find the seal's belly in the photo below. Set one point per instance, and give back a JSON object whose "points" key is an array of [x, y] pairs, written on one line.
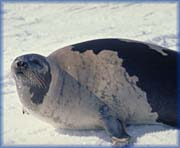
{"points": [[70, 115], [72, 121]]}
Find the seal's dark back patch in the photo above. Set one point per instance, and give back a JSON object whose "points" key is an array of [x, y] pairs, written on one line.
{"points": [[157, 73]]}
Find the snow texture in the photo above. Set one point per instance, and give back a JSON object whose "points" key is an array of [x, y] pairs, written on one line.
{"points": [[43, 28]]}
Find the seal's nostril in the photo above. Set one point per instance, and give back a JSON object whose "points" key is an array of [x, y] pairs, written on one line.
{"points": [[21, 64]]}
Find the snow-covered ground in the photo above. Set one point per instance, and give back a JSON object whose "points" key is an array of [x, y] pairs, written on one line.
{"points": [[43, 28]]}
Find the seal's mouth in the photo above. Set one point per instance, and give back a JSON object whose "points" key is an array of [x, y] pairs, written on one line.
{"points": [[19, 72], [30, 77]]}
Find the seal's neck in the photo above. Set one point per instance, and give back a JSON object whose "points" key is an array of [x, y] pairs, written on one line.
{"points": [[55, 79], [31, 94]]}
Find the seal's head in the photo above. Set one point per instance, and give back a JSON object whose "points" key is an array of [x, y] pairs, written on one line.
{"points": [[32, 74]]}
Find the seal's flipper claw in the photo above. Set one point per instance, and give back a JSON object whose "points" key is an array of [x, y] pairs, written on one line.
{"points": [[122, 141], [23, 111], [119, 141]]}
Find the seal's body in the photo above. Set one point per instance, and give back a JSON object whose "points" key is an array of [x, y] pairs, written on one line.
{"points": [[105, 83]]}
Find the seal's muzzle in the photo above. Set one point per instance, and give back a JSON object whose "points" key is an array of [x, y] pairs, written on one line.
{"points": [[19, 65]]}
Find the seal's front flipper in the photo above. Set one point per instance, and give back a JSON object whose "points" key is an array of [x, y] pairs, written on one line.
{"points": [[116, 130], [24, 111], [114, 127]]}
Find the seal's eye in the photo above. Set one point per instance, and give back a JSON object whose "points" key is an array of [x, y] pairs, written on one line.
{"points": [[37, 63]]}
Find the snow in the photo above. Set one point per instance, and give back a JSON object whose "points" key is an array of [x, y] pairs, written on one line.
{"points": [[44, 27]]}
